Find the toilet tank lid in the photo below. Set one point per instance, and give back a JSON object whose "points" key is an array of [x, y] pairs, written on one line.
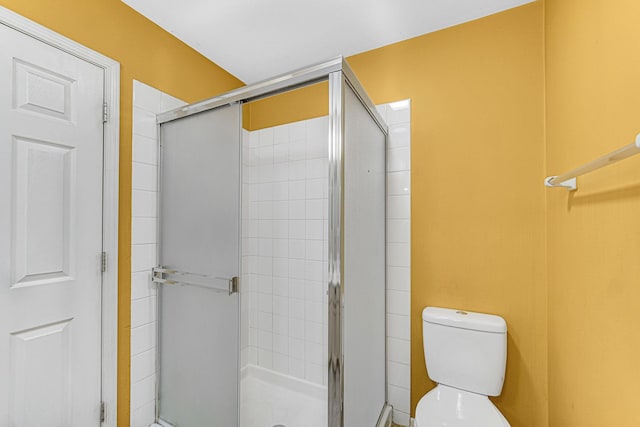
{"points": [[464, 319]]}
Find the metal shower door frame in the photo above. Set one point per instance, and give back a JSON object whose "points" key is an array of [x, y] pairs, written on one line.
{"points": [[339, 75], [339, 82]]}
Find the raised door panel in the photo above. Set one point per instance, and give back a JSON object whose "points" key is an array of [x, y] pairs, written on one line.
{"points": [[43, 210], [39, 90], [41, 376]]}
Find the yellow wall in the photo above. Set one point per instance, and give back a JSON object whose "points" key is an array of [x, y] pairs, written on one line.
{"points": [[301, 104], [151, 55], [478, 219], [593, 88]]}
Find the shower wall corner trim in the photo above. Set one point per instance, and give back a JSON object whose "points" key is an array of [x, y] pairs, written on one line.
{"points": [[335, 366]]}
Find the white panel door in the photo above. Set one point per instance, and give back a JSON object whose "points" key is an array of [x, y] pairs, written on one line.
{"points": [[51, 139]]}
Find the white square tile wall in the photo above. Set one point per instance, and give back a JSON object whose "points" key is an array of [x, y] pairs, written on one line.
{"points": [[147, 102], [398, 117], [285, 176]]}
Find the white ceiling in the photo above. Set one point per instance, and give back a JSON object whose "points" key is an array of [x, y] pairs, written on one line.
{"points": [[258, 39]]}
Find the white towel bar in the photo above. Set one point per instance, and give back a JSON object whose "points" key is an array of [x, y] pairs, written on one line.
{"points": [[568, 180]]}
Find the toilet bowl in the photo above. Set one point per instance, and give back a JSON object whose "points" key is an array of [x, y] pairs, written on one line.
{"points": [[466, 355], [447, 406]]}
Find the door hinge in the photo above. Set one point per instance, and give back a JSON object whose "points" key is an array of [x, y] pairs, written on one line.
{"points": [[102, 412], [103, 262], [105, 112]]}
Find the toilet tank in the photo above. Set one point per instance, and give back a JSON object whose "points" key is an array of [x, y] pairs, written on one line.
{"points": [[465, 350]]}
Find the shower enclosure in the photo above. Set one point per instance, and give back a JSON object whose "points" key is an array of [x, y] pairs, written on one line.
{"points": [[271, 295]]}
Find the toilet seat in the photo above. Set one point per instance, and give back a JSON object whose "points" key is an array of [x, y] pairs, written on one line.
{"points": [[451, 407]]}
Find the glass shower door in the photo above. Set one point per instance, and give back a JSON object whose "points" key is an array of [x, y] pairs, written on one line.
{"points": [[198, 257], [364, 274]]}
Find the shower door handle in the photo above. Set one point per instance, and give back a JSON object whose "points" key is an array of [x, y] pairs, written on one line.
{"points": [[168, 276]]}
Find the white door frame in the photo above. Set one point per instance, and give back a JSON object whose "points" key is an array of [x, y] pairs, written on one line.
{"points": [[110, 195]]}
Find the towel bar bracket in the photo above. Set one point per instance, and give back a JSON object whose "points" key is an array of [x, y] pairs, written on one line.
{"points": [[568, 180], [570, 184]]}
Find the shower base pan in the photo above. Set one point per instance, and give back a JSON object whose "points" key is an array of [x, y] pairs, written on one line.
{"points": [[269, 398]]}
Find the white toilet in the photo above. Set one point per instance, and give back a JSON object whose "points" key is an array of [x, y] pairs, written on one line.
{"points": [[466, 354]]}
